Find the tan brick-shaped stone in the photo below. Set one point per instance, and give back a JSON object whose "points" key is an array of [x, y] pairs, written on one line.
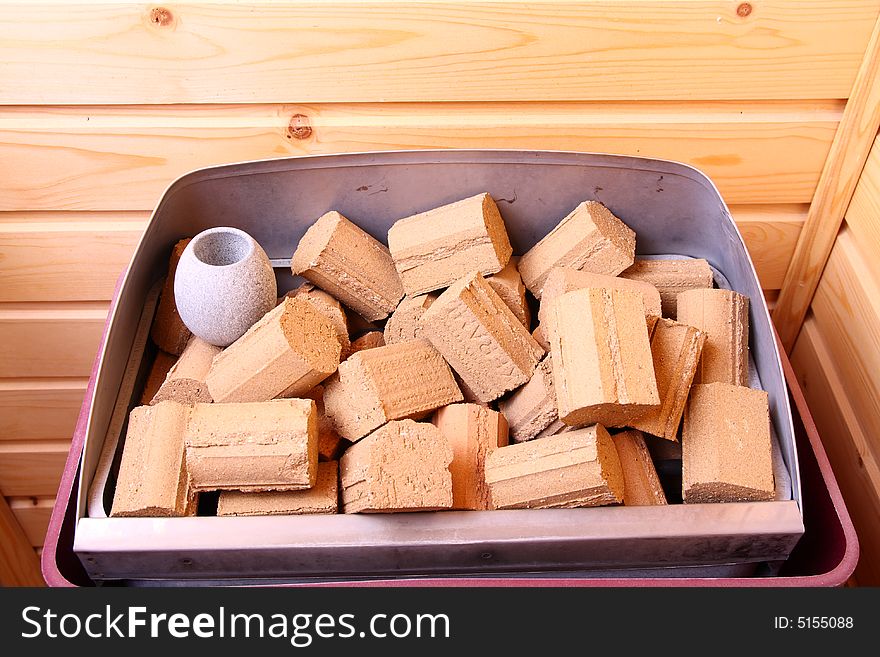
{"points": [[404, 323], [403, 380], [433, 249], [321, 498], [589, 238], [254, 446], [369, 340], [289, 351], [671, 278], [726, 448], [481, 338], [403, 466], [330, 443], [641, 484], [168, 331], [152, 477], [328, 305], [532, 408], [473, 432], [573, 469], [351, 265], [602, 366], [185, 382], [675, 350], [723, 315], [162, 364], [508, 284]]}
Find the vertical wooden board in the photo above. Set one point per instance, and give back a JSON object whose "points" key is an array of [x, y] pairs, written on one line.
{"points": [[33, 514], [31, 468], [863, 214], [19, 565], [40, 409], [855, 468], [50, 339]]}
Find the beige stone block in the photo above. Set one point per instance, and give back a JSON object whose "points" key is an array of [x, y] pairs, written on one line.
{"points": [[403, 466], [369, 340], [289, 351], [671, 278], [169, 332], [573, 469], [404, 323], [726, 448], [675, 350], [723, 315], [603, 371], [351, 265], [403, 380], [473, 432], [481, 338], [641, 484], [508, 285], [185, 382], [321, 498], [254, 446], [330, 443], [161, 365], [327, 304], [433, 249], [590, 238], [532, 408]]}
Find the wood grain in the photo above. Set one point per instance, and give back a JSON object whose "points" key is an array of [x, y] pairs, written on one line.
{"points": [[40, 409], [33, 515], [854, 464], [863, 214], [846, 159], [246, 52], [770, 233], [95, 158], [19, 565], [50, 339], [31, 468]]}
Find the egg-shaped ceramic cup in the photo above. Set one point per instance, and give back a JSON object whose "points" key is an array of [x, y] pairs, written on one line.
{"points": [[223, 285]]}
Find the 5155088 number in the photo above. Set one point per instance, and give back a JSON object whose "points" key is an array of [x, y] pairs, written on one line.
{"points": [[813, 622]]}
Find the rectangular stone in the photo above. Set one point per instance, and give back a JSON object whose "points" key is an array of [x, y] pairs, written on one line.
{"points": [[169, 332], [565, 279], [152, 478], [369, 340], [602, 366], [354, 267], [589, 238], [321, 498], [161, 365], [397, 381], [433, 249], [289, 351], [532, 408], [403, 466], [573, 469], [473, 432], [404, 323], [329, 306], [671, 278], [723, 315], [641, 484], [726, 445], [481, 338], [675, 350], [185, 382], [255, 446], [508, 284], [330, 443]]}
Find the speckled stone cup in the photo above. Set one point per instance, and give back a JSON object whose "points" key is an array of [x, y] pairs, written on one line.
{"points": [[223, 285]]}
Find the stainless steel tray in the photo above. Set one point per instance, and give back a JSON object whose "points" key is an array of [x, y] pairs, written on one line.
{"points": [[672, 207]]}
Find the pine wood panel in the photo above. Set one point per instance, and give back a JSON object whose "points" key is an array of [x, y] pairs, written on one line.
{"points": [[40, 409], [855, 466], [863, 214], [19, 565], [33, 515], [50, 339], [96, 158], [32, 468], [225, 51], [770, 233]]}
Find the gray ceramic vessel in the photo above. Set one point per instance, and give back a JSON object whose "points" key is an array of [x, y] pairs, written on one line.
{"points": [[223, 285]]}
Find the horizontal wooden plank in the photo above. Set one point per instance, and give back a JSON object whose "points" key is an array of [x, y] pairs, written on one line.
{"points": [[770, 233], [863, 214], [33, 515], [98, 158], [846, 309], [50, 339], [313, 51], [40, 409], [31, 468], [828, 393]]}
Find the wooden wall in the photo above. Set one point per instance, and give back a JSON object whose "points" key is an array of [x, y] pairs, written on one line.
{"points": [[103, 104]]}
